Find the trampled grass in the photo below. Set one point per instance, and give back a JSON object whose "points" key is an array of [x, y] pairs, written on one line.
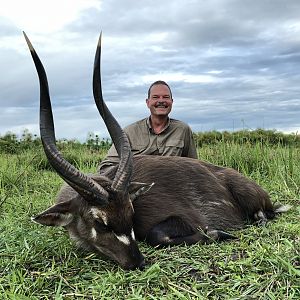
{"points": [[42, 263]]}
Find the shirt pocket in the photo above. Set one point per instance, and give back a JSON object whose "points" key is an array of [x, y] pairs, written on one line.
{"points": [[138, 148], [174, 147]]}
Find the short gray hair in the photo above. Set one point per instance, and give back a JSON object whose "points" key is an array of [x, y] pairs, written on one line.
{"points": [[157, 83]]}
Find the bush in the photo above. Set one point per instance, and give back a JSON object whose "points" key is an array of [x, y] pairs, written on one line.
{"points": [[258, 136]]}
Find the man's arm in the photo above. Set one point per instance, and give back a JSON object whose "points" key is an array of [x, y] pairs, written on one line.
{"points": [[109, 161], [189, 145]]}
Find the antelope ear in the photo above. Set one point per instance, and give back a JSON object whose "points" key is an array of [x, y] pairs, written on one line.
{"points": [[137, 189], [57, 215]]}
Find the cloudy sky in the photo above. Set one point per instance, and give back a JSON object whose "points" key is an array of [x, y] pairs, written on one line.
{"points": [[231, 64]]}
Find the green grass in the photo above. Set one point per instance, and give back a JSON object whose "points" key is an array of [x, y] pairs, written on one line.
{"points": [[42, 263]]}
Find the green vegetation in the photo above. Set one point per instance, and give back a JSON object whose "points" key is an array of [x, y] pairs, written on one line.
{"points": [[42, 263], [266, 137]]}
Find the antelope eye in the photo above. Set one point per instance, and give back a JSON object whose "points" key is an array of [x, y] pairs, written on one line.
{"points": [[100, 226]]}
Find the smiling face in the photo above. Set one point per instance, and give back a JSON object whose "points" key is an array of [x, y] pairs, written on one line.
{"points": [[160, 100]]}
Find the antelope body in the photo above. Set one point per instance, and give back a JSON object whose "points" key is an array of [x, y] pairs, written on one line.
{"points": [[163, 200]]}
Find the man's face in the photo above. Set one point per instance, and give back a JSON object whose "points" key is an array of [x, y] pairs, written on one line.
{"points": [[160, 101]]}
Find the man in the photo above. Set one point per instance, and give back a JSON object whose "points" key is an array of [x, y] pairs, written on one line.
{"points": [[157, 134]]}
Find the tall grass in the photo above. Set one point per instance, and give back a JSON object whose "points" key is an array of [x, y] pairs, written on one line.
{"points": [[42, 263]]}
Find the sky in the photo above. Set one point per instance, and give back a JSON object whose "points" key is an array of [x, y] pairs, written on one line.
{"points": [[231, 64]]}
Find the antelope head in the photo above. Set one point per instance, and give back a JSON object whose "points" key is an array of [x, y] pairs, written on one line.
{"points": [[96, 211]]}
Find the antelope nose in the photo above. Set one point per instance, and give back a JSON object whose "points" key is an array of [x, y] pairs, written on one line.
{"points": [[142, 264], [138, 264]]}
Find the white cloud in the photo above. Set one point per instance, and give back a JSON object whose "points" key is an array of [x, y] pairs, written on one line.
{"points": [[44, 16], [180, 77], [225, 60]]}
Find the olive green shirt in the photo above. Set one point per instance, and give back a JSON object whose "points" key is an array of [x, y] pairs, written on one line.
{"points": [[176, 139]]}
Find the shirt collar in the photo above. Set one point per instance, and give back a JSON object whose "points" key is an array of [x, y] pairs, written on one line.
{"points": [[148, 122]]}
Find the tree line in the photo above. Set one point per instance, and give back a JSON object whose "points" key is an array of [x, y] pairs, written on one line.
{"points": [[11, 143]]}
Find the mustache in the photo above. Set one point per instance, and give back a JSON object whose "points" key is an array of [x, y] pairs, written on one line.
{"points": [[161, 103]]}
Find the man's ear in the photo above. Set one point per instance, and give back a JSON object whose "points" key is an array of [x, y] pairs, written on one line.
{"points": [[137, 189], [57, 215], [147, 102]]}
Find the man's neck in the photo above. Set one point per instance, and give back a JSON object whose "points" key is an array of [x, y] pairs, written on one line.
{"points": [[158, 123]]}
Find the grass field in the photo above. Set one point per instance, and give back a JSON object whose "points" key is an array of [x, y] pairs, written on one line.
{"points": [[42, 263]]}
